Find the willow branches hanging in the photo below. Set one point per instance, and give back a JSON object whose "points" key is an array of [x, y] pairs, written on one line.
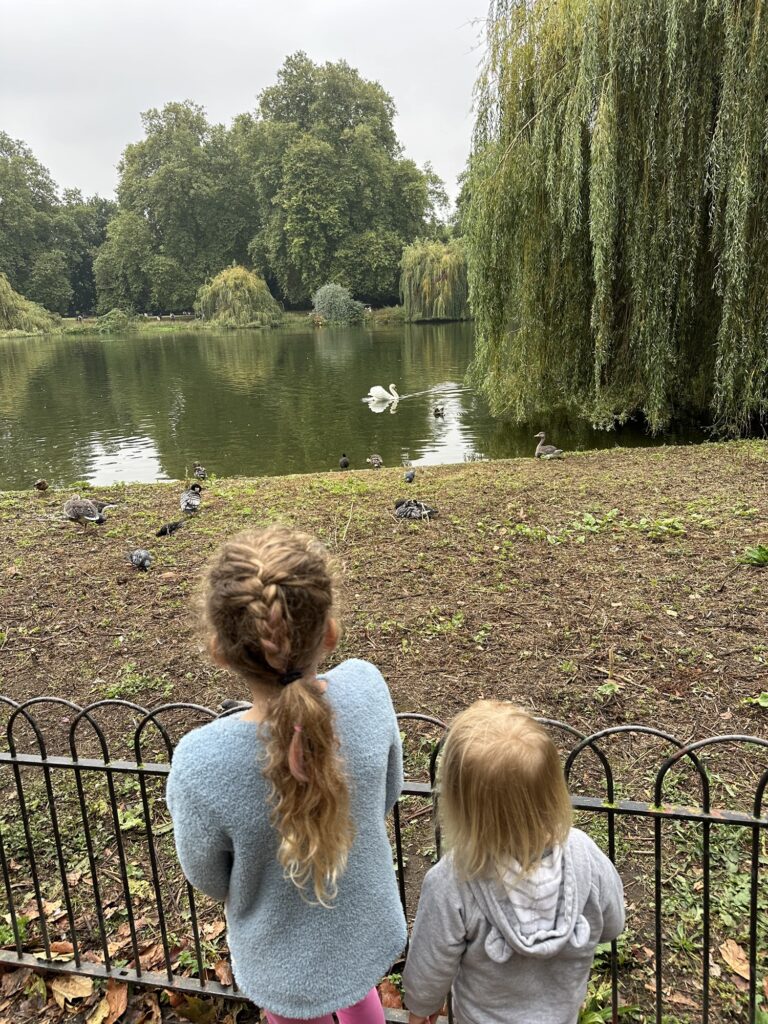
{"points": [[237, 297], [433, 281], [617, 226]]}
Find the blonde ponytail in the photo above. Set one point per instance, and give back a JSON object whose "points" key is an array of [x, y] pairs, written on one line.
{"points": [[267, 604]]}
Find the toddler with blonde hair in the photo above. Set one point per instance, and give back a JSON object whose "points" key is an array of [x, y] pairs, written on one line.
{"points": [[280, 811], [510, 918]]}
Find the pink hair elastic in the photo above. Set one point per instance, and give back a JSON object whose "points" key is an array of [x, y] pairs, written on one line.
{"points": [[297, 728]]}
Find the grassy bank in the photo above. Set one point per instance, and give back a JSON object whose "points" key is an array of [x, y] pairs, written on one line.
{"points": [[536, 580], [600, 590]]}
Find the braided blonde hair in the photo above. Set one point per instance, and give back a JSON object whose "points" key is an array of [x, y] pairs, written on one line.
{"points": [[267, 605]]}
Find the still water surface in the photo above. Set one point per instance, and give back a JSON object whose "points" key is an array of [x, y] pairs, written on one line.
{"points": [[142, 407]]}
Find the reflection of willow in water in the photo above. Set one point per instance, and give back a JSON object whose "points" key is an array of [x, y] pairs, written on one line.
{"points": [[241, 358], [21, 362], [436, 347]]}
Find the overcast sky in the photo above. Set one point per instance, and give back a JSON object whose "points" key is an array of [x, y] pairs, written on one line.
{"points": [[75, 74]]}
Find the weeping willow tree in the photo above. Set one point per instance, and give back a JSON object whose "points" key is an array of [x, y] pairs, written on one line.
{"points": [[19, 314], [433, 281], [617, 213], [237, 297]]}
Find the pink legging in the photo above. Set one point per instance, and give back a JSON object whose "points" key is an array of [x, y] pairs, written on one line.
{"points": [[367, 1011]]}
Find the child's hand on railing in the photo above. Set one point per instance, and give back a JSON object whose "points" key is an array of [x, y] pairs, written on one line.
{"points": [[413, 1018]]}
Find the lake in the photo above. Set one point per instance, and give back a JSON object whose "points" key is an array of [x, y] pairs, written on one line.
{"points": [[144, 407]]}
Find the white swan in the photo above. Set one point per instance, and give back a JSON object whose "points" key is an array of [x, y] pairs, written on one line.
{"points": [[379, 394]]}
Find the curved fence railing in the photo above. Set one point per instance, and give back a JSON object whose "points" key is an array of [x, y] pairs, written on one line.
{"points": [[91, 885]]}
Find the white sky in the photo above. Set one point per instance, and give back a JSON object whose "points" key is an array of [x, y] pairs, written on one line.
{"points": [[75, 74]]}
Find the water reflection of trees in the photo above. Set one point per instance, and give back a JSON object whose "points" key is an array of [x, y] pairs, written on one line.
{"points": [[246, 403]]}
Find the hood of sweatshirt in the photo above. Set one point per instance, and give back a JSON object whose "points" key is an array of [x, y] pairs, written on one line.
{"points": [[541, 913]]}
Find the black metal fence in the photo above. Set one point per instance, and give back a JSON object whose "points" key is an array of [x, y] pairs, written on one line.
{"points": [[90, 883]]}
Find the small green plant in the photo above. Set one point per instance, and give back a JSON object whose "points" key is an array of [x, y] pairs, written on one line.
{"points": [[659, 529], [761, 700], [597, 1006], [132, 683], [6, 931], [757, 555], [608, 689]]}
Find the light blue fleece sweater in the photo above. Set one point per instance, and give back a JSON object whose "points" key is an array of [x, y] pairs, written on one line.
{"points": [[289, 956]]}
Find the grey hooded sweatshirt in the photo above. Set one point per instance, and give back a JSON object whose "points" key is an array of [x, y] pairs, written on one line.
{"points": [[514, 951]]}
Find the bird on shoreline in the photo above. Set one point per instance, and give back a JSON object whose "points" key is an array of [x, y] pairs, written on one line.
{"points": [[199, 471], [101, 505], [375, 461], [546, 451], [343, 461], [191, 498], [410, 508], [84, 511], [141, 558], [41, 485], [169, 528]]}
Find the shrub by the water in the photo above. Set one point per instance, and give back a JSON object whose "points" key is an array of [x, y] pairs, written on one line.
{"points": [[114, 320], [237, 297], [433, 281], [19, 314], [333, 302]]}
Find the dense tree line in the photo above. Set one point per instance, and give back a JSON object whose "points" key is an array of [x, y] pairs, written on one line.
{"points": [[312, 187], [617, 210], [47, 241]]}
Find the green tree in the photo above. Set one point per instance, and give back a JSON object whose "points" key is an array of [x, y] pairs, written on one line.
{"points": [[122, 266], [49, 283], [617, 215], [186, 179], [336, 201], [27, 202], [433, 281]]}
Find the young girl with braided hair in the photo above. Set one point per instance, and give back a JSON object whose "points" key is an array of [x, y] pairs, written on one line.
{"points": [[280, 811]]}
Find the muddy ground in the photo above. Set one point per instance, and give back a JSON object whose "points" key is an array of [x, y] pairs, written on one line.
{"points": [[536, 583], [600, 590]]}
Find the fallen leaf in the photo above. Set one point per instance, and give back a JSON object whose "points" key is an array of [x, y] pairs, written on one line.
{"points": [[146, 1010], [174, 998], [765, 986], [199, 1011], [100, 1012], [62, 947], [214, 929], [683, 1000], [69, 988], [390, 996], [117, 999], [735, 957], [15, 981], [223, 972]]}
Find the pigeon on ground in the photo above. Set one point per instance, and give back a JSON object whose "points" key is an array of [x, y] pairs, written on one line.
{"points": [[141, 559], [41, 485], [410, 508], [410, 476]]}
